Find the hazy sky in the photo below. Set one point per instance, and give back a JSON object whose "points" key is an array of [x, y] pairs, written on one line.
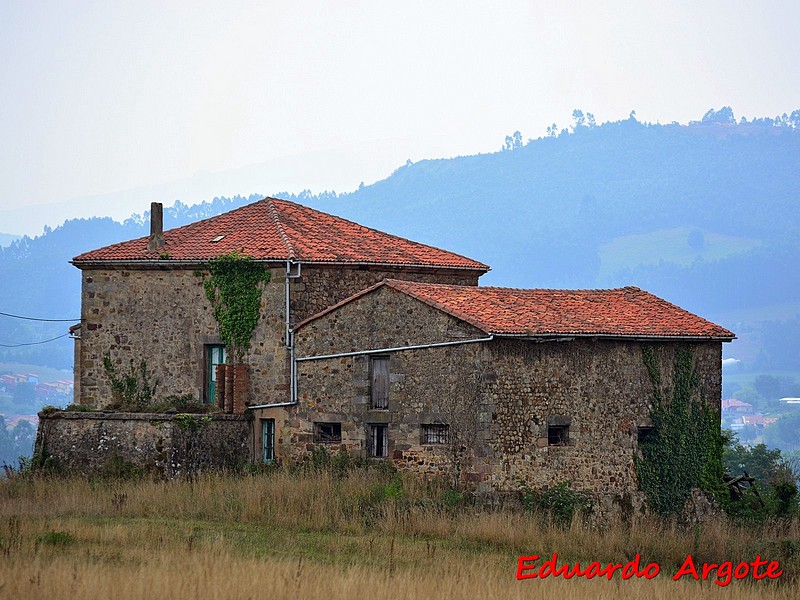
{"points": [[105, 96]]}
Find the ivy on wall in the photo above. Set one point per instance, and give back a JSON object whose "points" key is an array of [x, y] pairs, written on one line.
{"points": [[233, 288], [684, 450]]}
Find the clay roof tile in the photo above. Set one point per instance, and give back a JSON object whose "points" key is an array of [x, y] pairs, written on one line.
{"points": [[274, 229]]}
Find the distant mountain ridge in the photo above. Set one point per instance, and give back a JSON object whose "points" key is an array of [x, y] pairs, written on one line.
{"points": [[7, 238], [705, 215]]}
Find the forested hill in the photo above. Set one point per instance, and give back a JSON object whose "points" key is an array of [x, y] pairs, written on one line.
{"points": [[705, 215]]}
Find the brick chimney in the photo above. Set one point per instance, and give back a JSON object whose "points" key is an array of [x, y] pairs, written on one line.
{"points": [[156, 240]]}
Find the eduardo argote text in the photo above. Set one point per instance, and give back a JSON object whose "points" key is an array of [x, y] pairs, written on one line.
{"points": [[530, 567]]}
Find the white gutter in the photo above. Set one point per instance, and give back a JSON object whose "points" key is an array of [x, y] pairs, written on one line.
{"points": [[294, 361], [273, 405], [395, 349]]}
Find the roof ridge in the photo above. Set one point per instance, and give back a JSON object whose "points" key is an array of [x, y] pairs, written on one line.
{"points": [[273, 211], [384, 233], [500, 287]]}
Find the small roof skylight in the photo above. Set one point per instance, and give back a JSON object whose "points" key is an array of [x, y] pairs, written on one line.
{"points": [[219, 238]]}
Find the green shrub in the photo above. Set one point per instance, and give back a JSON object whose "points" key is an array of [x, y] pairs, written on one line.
{"points": [[55, 538], [559, 503]]}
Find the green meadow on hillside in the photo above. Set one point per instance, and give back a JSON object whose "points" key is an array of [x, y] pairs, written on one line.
{"points": [[679, 245]]}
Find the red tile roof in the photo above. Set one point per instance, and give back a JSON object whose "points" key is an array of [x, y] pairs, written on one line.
{"points": [[621, 312], [273, 229], [734, 403]]}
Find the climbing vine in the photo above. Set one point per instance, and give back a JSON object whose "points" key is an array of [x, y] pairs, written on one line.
{"points": [[684, 450], [133, 389], [232, 287]]}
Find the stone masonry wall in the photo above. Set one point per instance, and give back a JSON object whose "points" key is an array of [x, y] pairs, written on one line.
{"points": [[164, 317], [502, 396], [320, 287], [380, 319], [169, 445], [599, 388], [338, 390]]}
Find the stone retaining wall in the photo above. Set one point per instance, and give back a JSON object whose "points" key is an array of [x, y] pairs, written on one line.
{"points": [[169, 445]]}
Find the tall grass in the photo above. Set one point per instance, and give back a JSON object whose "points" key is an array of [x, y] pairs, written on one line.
{"points": [[322, 535]]}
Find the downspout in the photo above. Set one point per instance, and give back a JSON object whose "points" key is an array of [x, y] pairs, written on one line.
{"points": [[290, 335], [294, 361]]}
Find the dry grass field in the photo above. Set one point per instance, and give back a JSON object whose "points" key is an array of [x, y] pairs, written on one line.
{"points": [[319, 536]]}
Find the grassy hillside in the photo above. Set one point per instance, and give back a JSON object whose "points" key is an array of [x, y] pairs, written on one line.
{"points": [[677, 245]]}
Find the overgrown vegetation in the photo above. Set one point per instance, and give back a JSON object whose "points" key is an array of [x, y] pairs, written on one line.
{"points": [[684, 450], [133, 388], [233, 288], [687, 449], [559, 503], [774, 493], [327, 535]]}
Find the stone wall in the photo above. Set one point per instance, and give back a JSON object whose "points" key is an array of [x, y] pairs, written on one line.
{"points": [[169, 445], [338, 390], [319, 287], [164, 317], [600, 389], [499, 398]]}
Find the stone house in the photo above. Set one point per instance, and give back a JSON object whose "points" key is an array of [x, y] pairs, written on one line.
{"points": [[497, 385], [383, 347]]}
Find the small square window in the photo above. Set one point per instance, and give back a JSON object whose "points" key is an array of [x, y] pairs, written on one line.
{"points": [[435, 434], [644, 434], [327, 433], [558, 435]]}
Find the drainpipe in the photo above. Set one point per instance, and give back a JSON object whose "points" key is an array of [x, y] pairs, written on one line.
{"points": [[286, 280], [289, 333], [289, 276], [396, 349], [294, 361]]}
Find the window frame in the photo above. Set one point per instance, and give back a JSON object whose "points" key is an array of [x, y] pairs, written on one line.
{"points": [[333, 438], [435, 434], [375, 439], [378, 388], [210, 382], [268, 441], [559, 433]]}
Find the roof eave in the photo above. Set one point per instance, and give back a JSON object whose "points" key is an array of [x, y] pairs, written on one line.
{"points": [[477, 267], [630, 337], [195, 262]]}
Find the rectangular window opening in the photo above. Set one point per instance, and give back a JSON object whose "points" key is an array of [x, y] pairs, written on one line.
{"points": [[558, 435], [435, 434], [379, 381], [379, 441], [215, 355], [644, 434], [268, 440], [327, 433]]}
